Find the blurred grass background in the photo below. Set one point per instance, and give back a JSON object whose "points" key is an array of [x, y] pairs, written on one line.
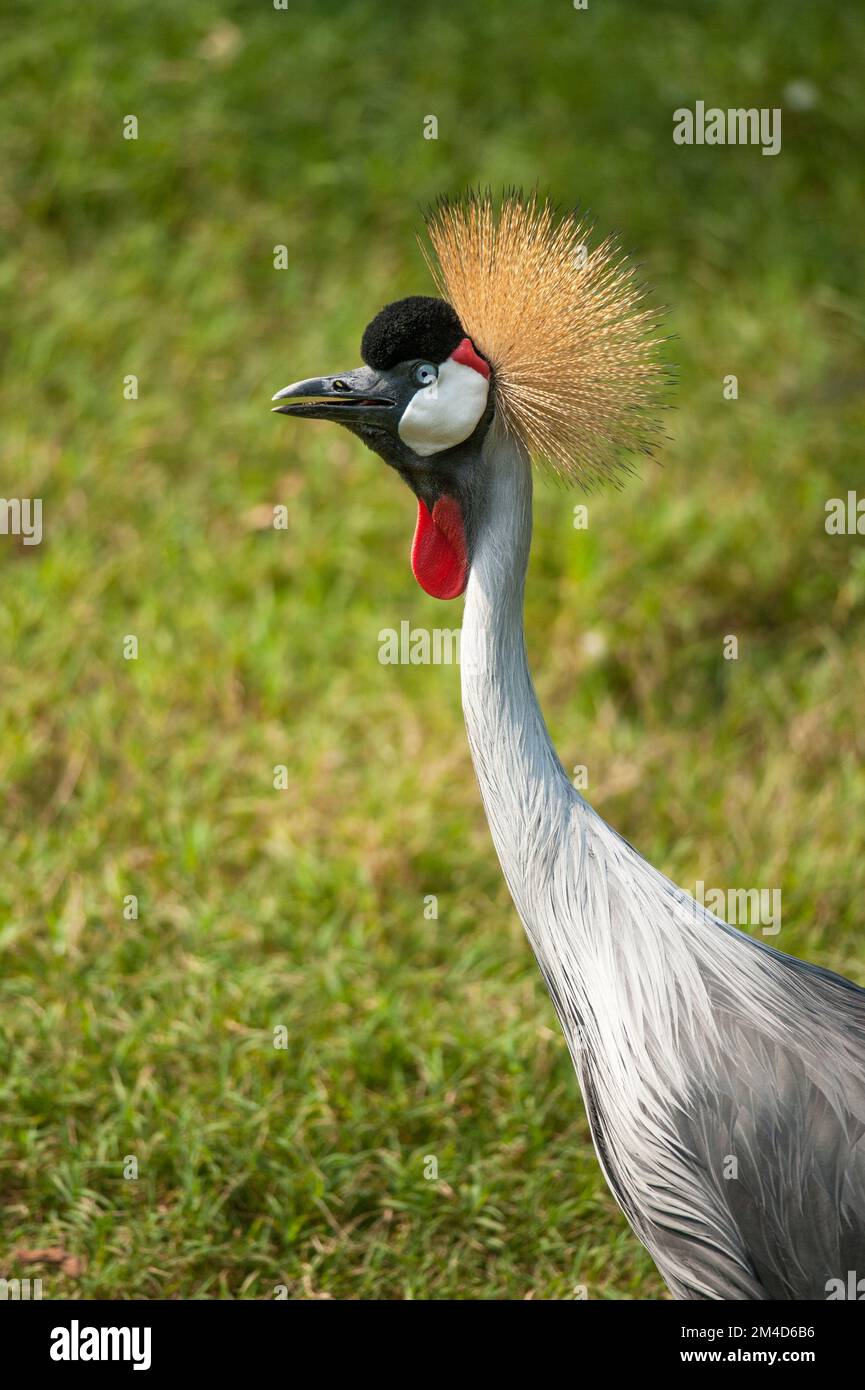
{"points": [[303, 908]]}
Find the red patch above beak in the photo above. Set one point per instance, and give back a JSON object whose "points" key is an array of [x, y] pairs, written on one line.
{"points": [[466, 354], [438, 553]]}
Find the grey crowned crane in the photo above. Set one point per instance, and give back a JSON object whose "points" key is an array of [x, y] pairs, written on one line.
{"points": [[694, 1043]]}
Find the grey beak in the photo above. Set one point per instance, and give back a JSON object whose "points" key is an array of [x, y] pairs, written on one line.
{"points": [[356, 395]]}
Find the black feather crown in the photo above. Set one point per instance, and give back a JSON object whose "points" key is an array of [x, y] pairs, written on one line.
{"points": [[419, 326]]}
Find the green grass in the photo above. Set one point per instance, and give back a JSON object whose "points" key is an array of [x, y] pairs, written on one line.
{"points": [[304, 908]]}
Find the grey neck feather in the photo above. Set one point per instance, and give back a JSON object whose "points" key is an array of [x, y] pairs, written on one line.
{"points": [[627, 955], [617, 942], [526, 793]]}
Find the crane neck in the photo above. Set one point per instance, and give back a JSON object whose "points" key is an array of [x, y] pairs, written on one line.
{"points": [[525, 790]]}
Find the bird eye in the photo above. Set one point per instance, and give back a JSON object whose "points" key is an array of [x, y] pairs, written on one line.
{"points": [[425, 374]]}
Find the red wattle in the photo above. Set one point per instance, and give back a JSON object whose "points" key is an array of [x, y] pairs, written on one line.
{"points": [[466, 354], [438, 552]]}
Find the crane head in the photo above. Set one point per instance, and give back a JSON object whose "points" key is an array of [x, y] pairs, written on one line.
{"points": [[533, 326], [423, 402]]}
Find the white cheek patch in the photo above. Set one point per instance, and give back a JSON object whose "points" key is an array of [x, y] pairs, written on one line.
{"points": [[445, 413]]}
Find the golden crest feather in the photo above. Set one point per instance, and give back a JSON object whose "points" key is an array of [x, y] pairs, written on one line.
{"points": [[565, 327]]}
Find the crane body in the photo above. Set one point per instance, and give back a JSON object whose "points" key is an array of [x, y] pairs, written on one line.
{"points": [[724, 1081]]}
